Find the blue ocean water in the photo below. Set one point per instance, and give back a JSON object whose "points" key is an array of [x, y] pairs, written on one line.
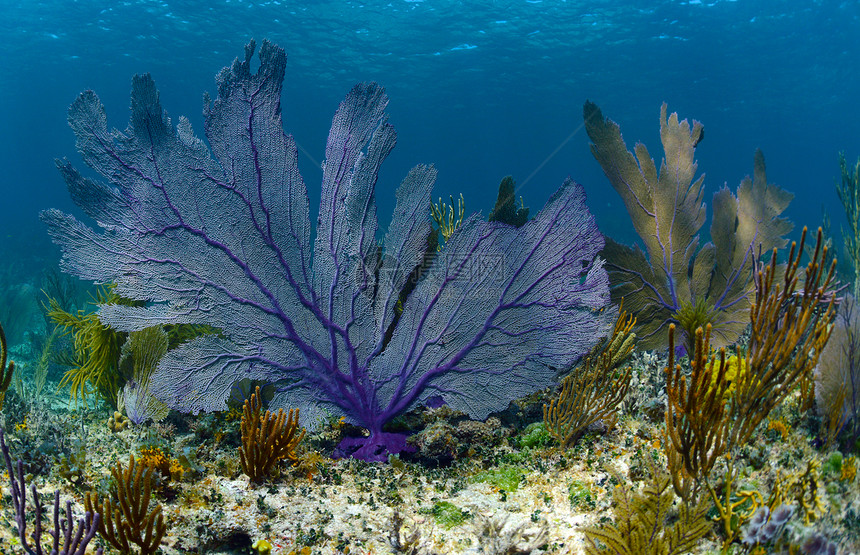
{"points": [[481, 88]]}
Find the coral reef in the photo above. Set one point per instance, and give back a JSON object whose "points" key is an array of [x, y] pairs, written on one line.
{"points": [[319, 320], [437, 361]]}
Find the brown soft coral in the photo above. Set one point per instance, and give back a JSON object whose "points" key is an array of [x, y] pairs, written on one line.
{"points": [[267, 438]]}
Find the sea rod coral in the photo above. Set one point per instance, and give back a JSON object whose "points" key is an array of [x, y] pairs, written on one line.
{"points": [[223, 238]]}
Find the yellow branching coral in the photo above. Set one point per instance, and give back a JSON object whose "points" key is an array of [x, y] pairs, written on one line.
{"points": [[697, 424], [735, 507], [445, 217], [789, 330], [800, 489], [595, 389], [267, 438], [128, 521]]}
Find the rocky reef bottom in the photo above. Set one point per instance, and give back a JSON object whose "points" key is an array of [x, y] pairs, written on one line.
{"points": [[502, 486]]}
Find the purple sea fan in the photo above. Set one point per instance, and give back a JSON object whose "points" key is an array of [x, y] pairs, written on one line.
{"points": [[782, 514], [223, 238]]}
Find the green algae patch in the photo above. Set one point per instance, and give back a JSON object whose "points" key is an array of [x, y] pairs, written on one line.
{"points": [[448, 515], [506, 477], [581, 496], [534, 436], [832, 465]]}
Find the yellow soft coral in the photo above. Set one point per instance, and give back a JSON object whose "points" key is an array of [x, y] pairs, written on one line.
{"points": [[176, 469], [735, 367], [154, 457], [849, 470], [779, 426]]}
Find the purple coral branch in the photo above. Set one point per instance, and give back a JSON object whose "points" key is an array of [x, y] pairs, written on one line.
{"points": [[86, 529]]}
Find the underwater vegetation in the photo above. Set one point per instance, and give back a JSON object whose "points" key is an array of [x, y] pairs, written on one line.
{"points": [[97, 349], [788, 333], [506, 210], [225, 241], [848, 189], [674, 280], [641, 523], [837, 377], [140, 355], [114, 365], [314, 360]]}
